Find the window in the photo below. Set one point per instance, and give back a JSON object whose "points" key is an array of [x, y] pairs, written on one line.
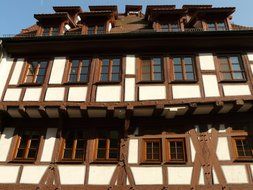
{"points": [[243, 148], [170, 27], [151, 69], [183, 69], [152, 150], [35, 72], [107, 147], [73, 146], [79, 70], [231, 68], [27, 145], [50, 31], [110, 70], [216, 26], [96, 29], [176, 150]]}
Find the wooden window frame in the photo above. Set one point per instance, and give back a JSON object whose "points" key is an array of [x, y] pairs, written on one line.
{"points": [[238, 158], [96, 26], [109, 81], [184, 73], [169, 24], [61, 158], [215, 22], [51, 31], [141, 80], [231, 71], [27, 148], [144, 159], [78, 71], [36, 73], [107, 159], [168, 154]]}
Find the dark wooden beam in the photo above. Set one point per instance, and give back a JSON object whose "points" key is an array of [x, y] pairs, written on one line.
{"points": [[109, 112], [129, 112], [63, 112], [42, 111], [217, 107], [237, 105], [21, 110], [158, 110], [84, 111], [191, 108]]}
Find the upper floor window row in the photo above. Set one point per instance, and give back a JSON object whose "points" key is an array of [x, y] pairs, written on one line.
{"points": [[151, 69]]}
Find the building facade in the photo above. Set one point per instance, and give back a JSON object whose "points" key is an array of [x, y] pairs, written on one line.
{"points": [[105, 100]]}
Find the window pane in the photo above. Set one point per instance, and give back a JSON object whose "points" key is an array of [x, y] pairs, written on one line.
{"points": [[157, 76], [29, 79], [91, 30], [157, 61], [146, 69], [79, 154], [234, 60], [32, 153], [115, 69], [116, 61], [226, 76], [20, 153], [174, 27], [105, 69], [115, 77], [67, 153], [146, 77], [176, 61], [101, 153], [105, 62], [84, 70], [178, 76], [190, 76], [236, 67], [46, 32], [104, 77], [113, 143], [101, 143], [101, 29], [221, 26], [188, 60], [72, 78], [211, 26], [55, 31], [237, 75], [157, 68], [83, 78], [165, 28], [225, 67], [113, 154], [178, 68]]}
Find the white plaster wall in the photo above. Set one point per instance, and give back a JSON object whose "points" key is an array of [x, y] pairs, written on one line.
{"points": [[235, 174], [210, 83], [5, 143], [110, 93], [9, 174], [222, 149], [206, 61], [201, 177], [32, 94], [101, 175], [130, 64], [250, 56], [152, 92], [71, 175], [5, 67], [32, 174], [185, 91], [215, 178], [193, 151], [129, 89], [57, 70], [179, 175], [236, 90], [12, 94], [133, 151], [251, 66], [17, 72], [77, 94], [55, 94], [147, 175], [49, 143]]}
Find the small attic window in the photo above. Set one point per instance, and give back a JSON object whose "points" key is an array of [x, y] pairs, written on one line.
{"points": [[133, 13], [133, 10]]}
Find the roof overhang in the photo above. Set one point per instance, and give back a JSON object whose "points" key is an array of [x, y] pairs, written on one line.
{"points": [[138, 43], [102, 8], [134, 8], [54, 17]]}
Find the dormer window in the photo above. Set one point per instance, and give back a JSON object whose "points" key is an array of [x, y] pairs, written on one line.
{"points": [[216, 26], [170, 27], [50, 31], [96, 29]]}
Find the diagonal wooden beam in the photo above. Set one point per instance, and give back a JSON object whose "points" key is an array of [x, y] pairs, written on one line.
{"points": [[21, 110], [109, 112], [158, 110], [237, 105], [63, 112], [191, 108], [217, 107], [42, 111]]}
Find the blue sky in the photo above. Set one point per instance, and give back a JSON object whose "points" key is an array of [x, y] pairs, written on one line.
{"points": [[18, 14]]}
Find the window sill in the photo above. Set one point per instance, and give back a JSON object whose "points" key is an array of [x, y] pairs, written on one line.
{"points": [[30, 84], [22, 161], [151, 163], [233, 81], [70, 162], [243, 160], [105, 162], [175, 162], [183, 81], [107, 82], [150, 82], [75, 83]]}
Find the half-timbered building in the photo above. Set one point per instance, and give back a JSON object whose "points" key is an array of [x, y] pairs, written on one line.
{"points": [[154, 99]]}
